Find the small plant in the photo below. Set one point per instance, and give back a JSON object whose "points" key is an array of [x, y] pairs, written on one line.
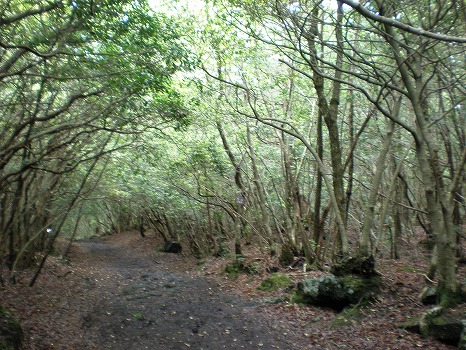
{"points": [[137, 315], [233, 269]]}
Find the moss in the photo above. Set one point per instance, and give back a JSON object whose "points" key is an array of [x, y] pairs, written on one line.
{"points": [[11, 333], [411, 269], [411, 325], [361, 286], [447, 326], [298, 298], [274, 282], [252, 268], [448, 298], [239, 266], [347, 317]]}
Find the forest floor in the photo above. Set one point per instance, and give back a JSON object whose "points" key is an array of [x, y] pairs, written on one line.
{"points": [[121, 292]]}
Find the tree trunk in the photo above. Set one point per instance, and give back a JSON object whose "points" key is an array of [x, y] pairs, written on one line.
{"points": [[265, 217], [318, 224], [330, 113], [241, 196], [369, 211]]}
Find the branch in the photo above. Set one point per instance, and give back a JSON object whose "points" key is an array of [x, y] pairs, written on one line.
{"points": [[32, 12], [357, 6], [31, 50]]}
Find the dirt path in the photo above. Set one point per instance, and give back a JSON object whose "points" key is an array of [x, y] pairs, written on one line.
{"points": [[118, 292], [151, 308]]}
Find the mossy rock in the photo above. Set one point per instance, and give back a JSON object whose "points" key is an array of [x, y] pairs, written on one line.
{"points": [[429, 295], [462, 343], [336, 292], [411, 325], [362, 266], [347, 317], [11, 333], [446, 326], [447, 330], [274, 282]]}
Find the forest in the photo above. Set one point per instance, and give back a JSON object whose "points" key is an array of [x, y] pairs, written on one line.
{"points": [[328, 134]]}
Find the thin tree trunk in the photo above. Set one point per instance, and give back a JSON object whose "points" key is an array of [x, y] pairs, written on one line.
{"points": [[265, 222], [241, 196], [70, 207], [318, 225], [330, 115], [369, 211]]}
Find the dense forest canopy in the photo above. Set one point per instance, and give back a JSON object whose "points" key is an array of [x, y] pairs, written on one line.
{"points": [[329, 128]]}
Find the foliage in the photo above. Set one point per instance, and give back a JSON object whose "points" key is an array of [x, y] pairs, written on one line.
{"points": [[79, 81], [233, 269]]}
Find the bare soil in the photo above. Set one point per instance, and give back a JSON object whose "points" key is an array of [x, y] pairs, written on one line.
{"points": [[121, 292]]}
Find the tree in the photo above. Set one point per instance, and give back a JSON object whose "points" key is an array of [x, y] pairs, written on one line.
{"points": [[73, 75], [420, 70], [410, 68]]}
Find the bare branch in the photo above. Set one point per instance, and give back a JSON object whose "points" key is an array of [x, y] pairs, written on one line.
{"points": [[357, 6]]}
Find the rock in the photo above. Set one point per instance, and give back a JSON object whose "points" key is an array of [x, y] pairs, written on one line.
{"points": [[11, 333], [336, 292], [172, 247], [446, 330], [272, 269], [429, 296], [446, 326], [462, 343], [362, 266], [411, 325]]}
